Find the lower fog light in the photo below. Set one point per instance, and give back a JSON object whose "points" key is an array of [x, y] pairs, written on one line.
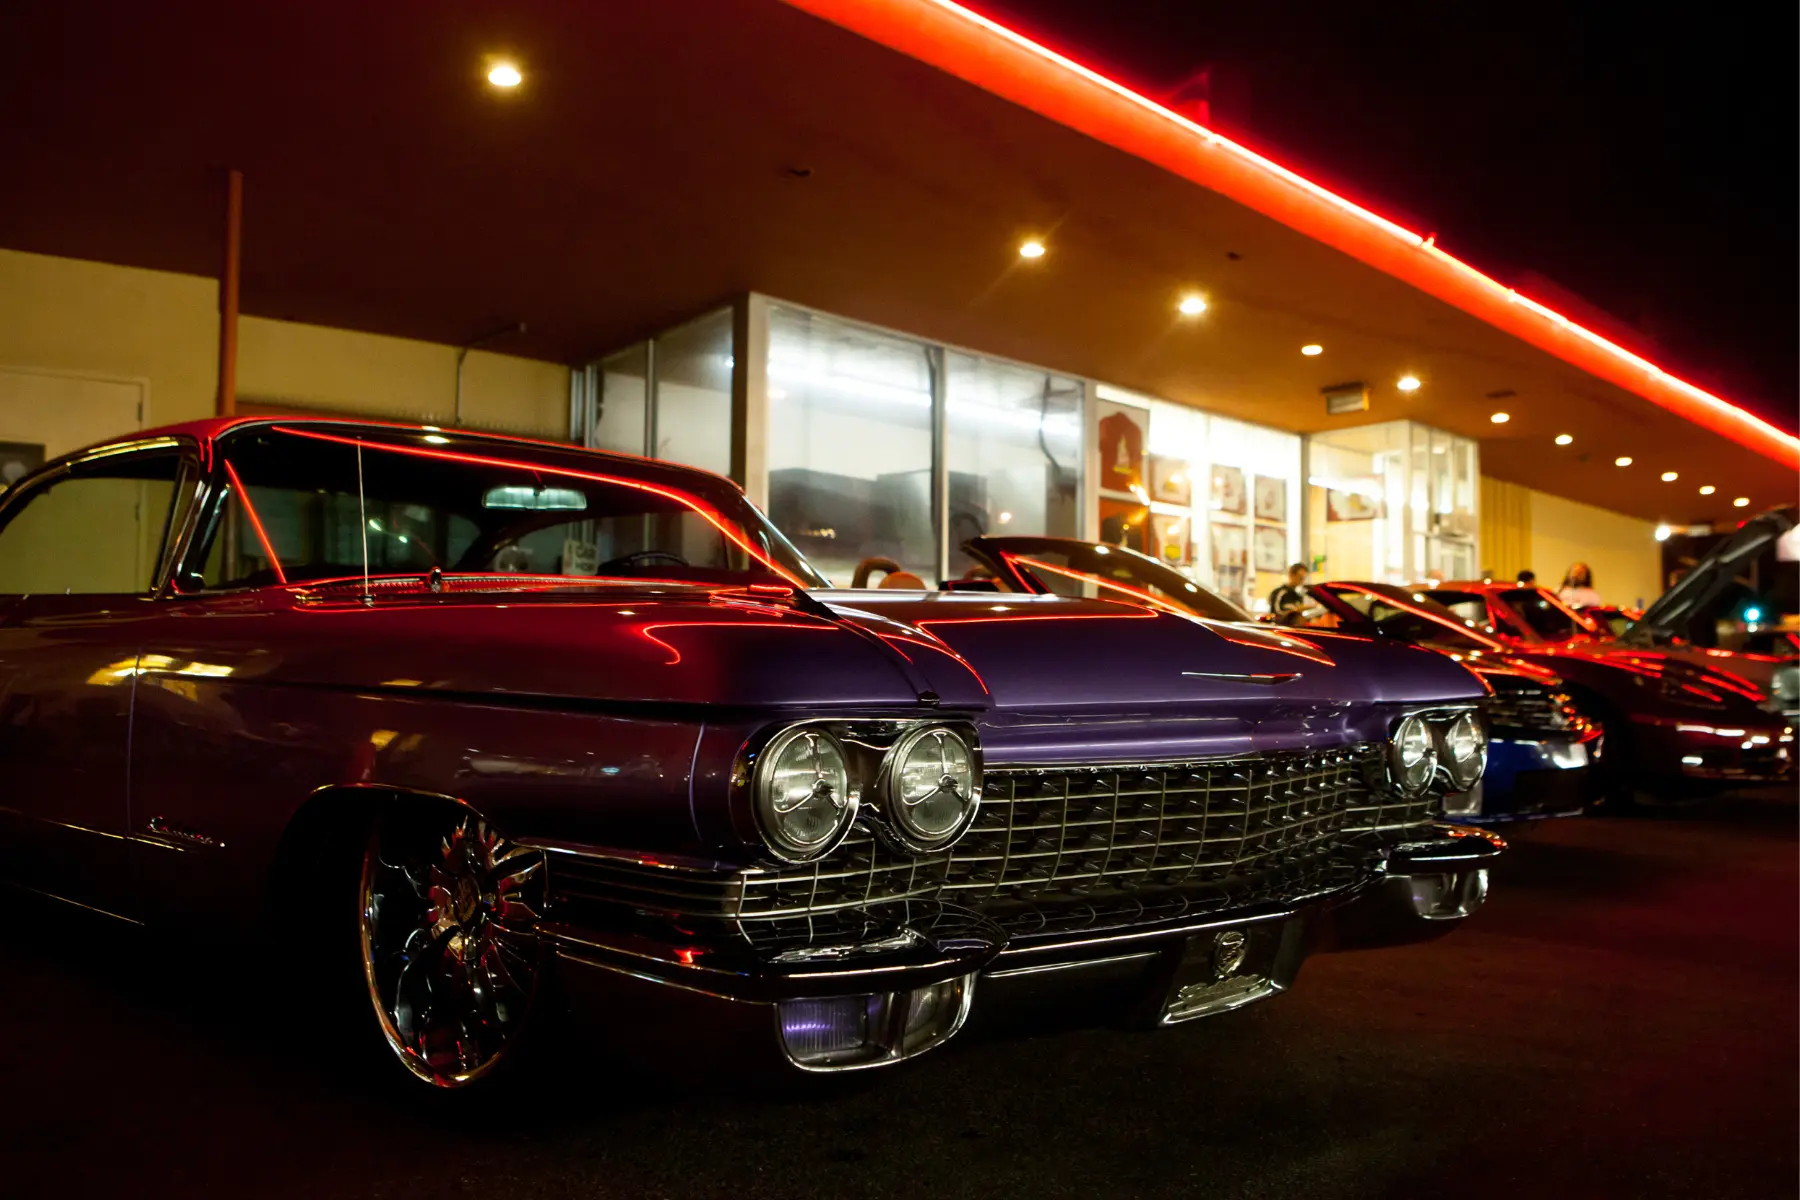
{"points": [[1448, 897], [841, 1033]]}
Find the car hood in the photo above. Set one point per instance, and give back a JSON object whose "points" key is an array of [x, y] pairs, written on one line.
{"points": [[1107, 677], [1676, 609]]}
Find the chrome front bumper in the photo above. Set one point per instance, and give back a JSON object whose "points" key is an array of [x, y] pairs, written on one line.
{"points": [[918, 970]]}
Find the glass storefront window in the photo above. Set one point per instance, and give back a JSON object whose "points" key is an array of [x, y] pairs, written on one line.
{"points": [[849, 445], [624, 380], [1418, 521], [1013, 440], [1216, 499], [693, 393]]}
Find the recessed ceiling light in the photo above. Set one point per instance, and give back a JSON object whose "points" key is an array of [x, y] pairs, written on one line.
{"points": [[1408, 383], [1663, 532], [1707, 489], [1624, 460], [1192, 306], [1313, 350], [1741, 502], [1500, 418], [1563, 439], [505, 75], [1031, 249], [1670, 476]]}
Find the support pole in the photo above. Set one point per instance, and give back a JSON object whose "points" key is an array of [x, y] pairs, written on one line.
{"points": [[228, 293]]}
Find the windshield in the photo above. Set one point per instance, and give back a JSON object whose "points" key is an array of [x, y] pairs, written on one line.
{"points": [[305, 504], [1084, 570], [1546, 618], [1396, 613]]}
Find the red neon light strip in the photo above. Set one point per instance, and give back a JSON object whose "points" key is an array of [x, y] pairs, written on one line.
{"points": [[992, 57], [1466, 630], [237, 485], [681, 498]]}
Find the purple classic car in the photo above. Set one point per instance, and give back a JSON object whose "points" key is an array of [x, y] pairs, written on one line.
{"points": [[510, 729]]}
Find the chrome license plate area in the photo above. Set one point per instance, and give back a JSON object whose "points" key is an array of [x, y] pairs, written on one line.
{"points": [[1223, 970]]}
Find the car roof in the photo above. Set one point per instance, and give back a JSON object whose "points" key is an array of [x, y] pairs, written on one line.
{"points": [[208, 430]]}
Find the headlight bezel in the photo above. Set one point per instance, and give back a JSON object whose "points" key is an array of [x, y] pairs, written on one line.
{"points": [[1461, 776], [1401, 774], [761, 783], [869, 745], [887, 806]]}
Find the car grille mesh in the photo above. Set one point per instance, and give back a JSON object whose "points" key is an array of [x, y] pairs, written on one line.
{"points": [[1067, 847], [1524, 705]]}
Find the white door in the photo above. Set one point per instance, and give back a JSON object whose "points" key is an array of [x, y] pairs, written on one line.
{"points": [[46, 414]]}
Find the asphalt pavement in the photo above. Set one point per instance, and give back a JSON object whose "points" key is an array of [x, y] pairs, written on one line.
{"points": [[1622, 1019]]}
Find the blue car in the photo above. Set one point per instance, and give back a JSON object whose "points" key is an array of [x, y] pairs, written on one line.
{"points": [[1542, 749]]}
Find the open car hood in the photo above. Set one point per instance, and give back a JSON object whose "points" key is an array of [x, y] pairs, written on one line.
{"points": [[1700, 589]]}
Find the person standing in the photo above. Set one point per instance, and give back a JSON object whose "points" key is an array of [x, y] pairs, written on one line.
{"points": [[1289, 596], [1577, 589]]}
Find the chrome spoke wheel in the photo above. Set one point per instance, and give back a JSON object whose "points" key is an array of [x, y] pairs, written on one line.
{"points": [[450, 948]]}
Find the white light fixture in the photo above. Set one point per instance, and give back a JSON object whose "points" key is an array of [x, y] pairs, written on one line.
{"points": [[1624, 460], [1192, 306], [1500, 418], [1031, 249], [1005, 517], [1408, 383], [505, 75], [1663, 532], [1741, 502], [1312, 350], [1563, 439], [1707, 489], [1670, 476]]}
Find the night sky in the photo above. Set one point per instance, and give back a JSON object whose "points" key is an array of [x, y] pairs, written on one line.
{"points": [[1641, 158]]}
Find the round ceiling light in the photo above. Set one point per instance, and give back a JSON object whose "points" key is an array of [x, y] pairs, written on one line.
{"points": [[1707, 489], [1563, 439], [1408, 383], [1031, 249], [1741, 502], [1192, 306], [1312, 350], [505, 75], [1624, 460], [1500, 418], [1670, 476]]}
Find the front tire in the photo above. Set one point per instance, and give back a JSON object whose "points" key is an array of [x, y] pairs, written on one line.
{"points": [[451, 959]]}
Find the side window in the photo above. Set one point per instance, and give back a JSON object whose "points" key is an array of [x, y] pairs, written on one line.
{"points": [[98, 530]]}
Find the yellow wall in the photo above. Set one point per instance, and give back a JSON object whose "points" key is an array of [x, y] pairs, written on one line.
{"points": [[1505, 528], [94, 319], [1622, 550]]}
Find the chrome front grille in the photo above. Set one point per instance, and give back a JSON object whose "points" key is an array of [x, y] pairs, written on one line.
{"points": [[1525, 706], [1057, 846]]}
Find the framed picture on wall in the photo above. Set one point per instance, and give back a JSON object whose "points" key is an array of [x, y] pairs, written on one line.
{"points": [[1171, 480], [1173, 546], [1228, 491], [1230, 559], [1270, 545], [1125, 524], [1357, 505], [1124, 429], [1271, 499]]}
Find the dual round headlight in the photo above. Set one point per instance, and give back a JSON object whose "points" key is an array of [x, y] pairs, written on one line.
{"points": [[1464, 749], [1458, 746], [808, 789], [1412, 756], [805, 797], [933, 785]]}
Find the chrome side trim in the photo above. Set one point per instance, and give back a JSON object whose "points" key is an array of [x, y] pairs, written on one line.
{"points": [[1270, 679], [1082, 965]]}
